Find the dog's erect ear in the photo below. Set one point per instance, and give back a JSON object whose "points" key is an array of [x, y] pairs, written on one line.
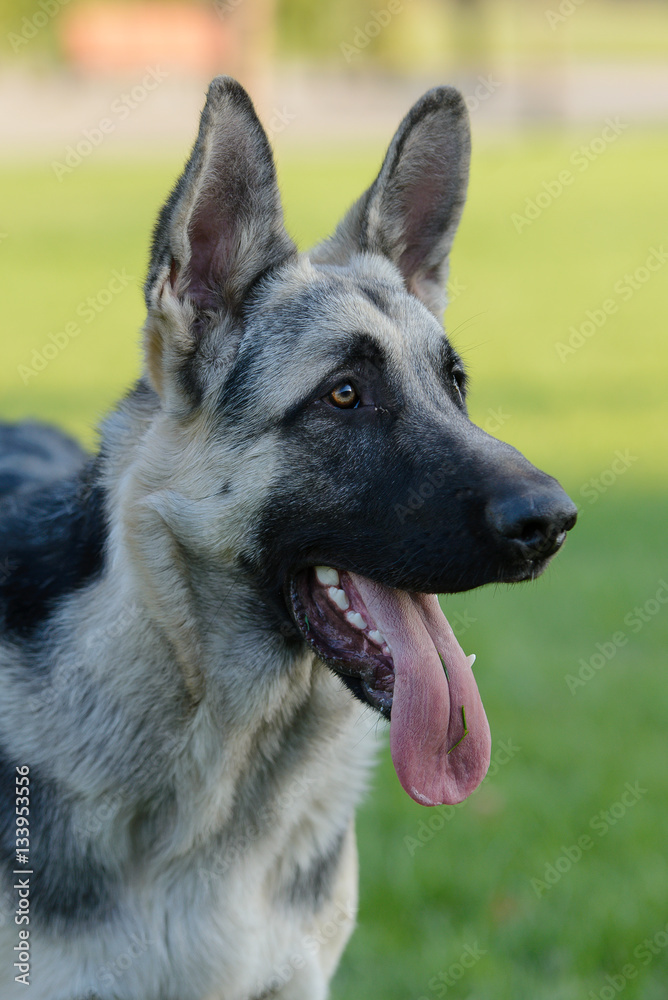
{"points": [[219, 232], [411, 211]]}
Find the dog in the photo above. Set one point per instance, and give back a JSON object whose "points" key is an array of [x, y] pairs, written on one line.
{"points": [[201, 623]]}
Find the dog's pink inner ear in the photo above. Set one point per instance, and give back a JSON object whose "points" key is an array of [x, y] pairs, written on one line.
{"points": [[223, 223], [411, 212], [212, 241], [425, 212], [420, 203]]}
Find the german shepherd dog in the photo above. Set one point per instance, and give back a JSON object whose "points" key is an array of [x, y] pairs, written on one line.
{"points": [[200, 623]]}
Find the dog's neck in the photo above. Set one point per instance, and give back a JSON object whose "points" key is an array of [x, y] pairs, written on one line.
{"points": [[222, 750], [189, 666]]}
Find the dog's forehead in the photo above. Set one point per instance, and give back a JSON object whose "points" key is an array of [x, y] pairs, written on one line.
{"points": [[314, 310]]}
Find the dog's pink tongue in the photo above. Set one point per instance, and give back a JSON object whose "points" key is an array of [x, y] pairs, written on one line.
{"points": [[427, 718]]}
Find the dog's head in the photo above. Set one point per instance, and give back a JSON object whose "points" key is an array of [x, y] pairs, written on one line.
{"points": [[313, 417]]}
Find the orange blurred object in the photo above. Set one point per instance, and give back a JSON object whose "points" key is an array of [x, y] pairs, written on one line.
{"points": [[124, 38]]}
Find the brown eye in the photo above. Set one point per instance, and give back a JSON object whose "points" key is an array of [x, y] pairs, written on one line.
{"points": [[344, 396]]}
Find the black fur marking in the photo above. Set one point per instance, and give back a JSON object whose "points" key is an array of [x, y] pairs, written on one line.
{"points": [[376, 299], [33, 454], [141, 401], [354, 685], [360, 347], [142, 389], [52, 540], [190, 385], [311, 886], [69, 885], [10, 482], [235, 387]]}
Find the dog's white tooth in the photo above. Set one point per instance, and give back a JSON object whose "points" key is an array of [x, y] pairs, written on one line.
{"points": [[327, 576], [355, 618], [471, 659], [339, 597], [377, 636]]}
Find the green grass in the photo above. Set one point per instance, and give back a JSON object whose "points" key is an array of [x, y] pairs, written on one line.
{"points": [[424, 32], [571, 754]]}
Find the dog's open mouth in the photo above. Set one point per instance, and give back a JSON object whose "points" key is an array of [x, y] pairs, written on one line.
{"points": [[398, 652]]}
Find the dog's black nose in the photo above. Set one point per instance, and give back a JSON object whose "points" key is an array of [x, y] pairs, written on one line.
{"points": [[536, 521]]}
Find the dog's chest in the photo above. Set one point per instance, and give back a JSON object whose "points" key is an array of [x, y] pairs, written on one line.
{"points": [[259, 910], [260, 904], [250, 911]]}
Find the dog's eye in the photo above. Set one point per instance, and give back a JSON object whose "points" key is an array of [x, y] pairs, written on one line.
{"points": [[459, 378], [344, 396]]}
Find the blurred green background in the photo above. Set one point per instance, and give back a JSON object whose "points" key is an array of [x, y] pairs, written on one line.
{"points": [[551, 882]]}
